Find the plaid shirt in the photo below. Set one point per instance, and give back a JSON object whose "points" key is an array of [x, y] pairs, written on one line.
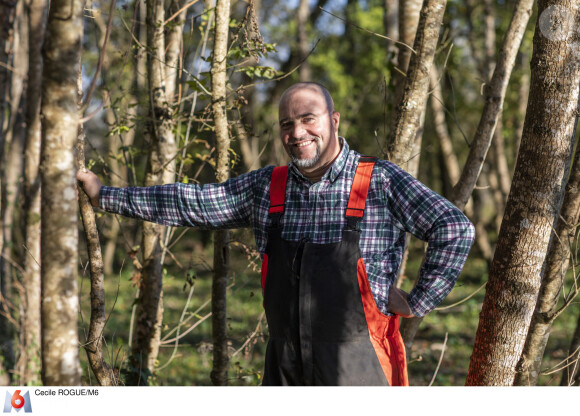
{"points": [[396, 203]]}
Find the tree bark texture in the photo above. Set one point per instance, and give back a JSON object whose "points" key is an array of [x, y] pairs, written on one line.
{"points": [[411, 107], [494, 94], [534, 201], [221, 238], [409, 13], [30, 332], [94, 343], [59, 240], [7, 17], [557, 262], [160, 170]]}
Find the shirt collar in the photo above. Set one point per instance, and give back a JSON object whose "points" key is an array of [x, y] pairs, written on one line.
{"points": [[335, 169]]}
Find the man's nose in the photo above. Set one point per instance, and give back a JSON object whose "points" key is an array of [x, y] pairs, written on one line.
{"points": [[298, 130]]}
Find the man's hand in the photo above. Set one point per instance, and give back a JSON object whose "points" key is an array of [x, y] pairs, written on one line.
{"points": [[398, 303], [90, 184]]}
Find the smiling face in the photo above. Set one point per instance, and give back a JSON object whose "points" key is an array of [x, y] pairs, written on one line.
{"points": [[309, 127]]}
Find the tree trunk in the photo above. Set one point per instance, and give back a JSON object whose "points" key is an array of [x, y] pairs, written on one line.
{"points": [[557, 261], [391, 27], [303, 49], [494, 94], [59, 239], [533, 204], [160, 170], [7, 17], [14, 135], [30, 353], [412, 104], [409, 13], [94, 343], [219, 373]]}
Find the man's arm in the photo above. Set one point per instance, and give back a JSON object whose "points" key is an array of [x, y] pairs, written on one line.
{"points": [[449, 235], [230, 204]]}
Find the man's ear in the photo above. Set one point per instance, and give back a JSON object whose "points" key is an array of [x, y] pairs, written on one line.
{"points": [[335, 117]]}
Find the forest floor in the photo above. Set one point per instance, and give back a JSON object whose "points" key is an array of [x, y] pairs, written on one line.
{"points": [[188, 362]]}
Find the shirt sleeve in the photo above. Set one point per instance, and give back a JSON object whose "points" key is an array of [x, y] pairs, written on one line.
{"points": [[448, 232], [213, 206]]}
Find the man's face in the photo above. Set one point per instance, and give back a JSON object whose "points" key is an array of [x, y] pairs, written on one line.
{"points": [[309, 133]]}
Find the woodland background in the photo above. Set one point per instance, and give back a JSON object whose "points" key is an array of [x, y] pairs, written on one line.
{"points": [[150, 92]]}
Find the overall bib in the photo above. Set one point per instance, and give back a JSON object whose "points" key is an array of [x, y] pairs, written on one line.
{"points": [[324, 325]]}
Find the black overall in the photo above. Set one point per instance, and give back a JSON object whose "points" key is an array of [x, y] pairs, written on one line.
{"points": [[325, 328]]}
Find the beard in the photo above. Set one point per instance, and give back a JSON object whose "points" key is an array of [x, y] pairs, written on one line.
{"points": [[307, 163]]}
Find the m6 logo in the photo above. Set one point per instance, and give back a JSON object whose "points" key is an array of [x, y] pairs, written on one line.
{"points": [[17, 402]]}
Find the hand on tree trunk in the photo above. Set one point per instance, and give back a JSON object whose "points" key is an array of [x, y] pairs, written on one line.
{"points": [[398, 303], [91, 184]]}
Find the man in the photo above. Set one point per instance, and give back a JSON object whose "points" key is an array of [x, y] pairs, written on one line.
{"points": [[331, 228]]}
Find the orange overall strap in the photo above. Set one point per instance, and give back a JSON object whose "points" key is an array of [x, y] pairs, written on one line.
{"points": [[360, 187], [278, 189]]}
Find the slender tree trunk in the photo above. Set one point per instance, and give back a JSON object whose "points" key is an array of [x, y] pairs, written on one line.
{"points": [[557, 261], [12, 181], [30, 364], [533, 204], [494, 94], [302, 21], [7, 17], [409, 13], [245, 125], [412, 105], [221, 237], [59, 240], [499, 169], [411, 92], [390, 25], [94, 343], [160, 169]]}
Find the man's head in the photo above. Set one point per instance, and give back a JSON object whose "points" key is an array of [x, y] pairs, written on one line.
{"points": [[309, 126]]}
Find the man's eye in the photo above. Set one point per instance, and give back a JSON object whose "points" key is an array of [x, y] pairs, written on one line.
{"points": [[285, 125], [308, 120]]}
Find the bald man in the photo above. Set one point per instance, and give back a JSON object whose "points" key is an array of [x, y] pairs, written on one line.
{"points": [[330, 227]]}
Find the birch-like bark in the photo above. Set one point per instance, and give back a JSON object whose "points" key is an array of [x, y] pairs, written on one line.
{"points": [[494, 94], [557, 261], [411, 107], [11, 173], [30, 321], [160, 170], [59, 239], [221, 237], [535, 198]]}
